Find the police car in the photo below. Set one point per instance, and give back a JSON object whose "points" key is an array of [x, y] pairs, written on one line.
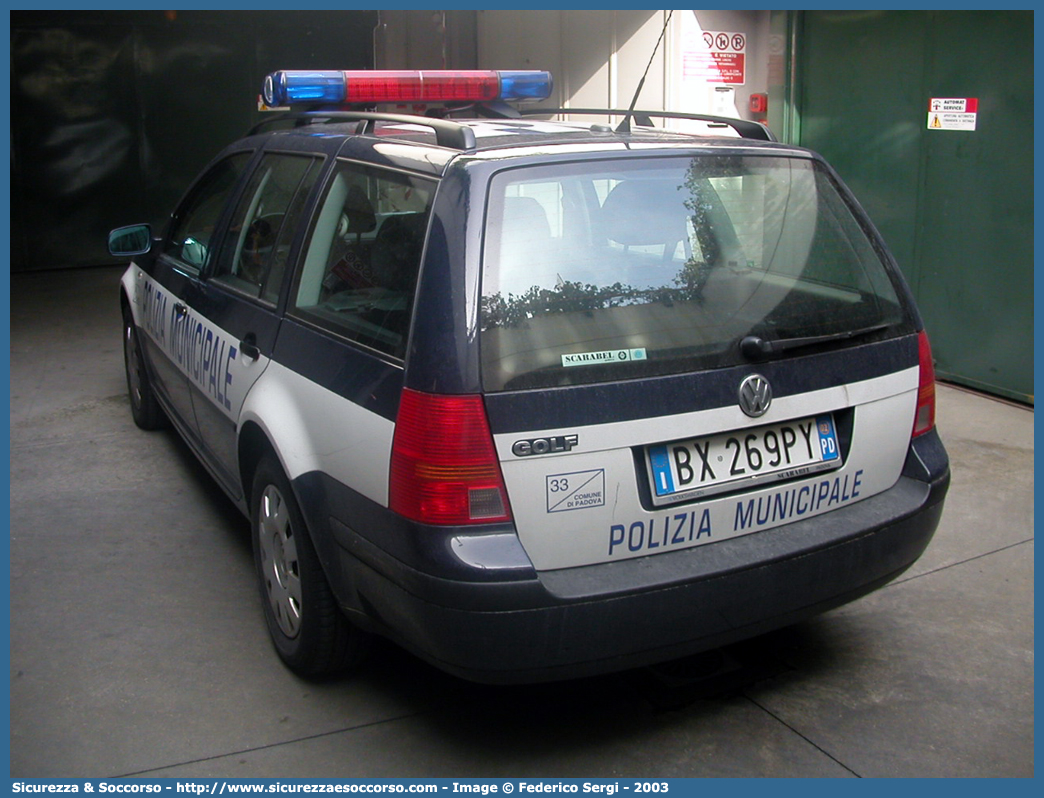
{"points": [[534, 399]]}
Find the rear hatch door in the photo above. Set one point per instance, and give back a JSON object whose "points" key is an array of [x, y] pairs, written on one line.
{"points": [[681, 349]]}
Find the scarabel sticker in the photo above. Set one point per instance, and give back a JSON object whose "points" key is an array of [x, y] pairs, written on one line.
{"points": [[576, 491], [609, 356]]}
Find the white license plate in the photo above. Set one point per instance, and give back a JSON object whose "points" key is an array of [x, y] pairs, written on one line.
{"points": [[696, 467]]}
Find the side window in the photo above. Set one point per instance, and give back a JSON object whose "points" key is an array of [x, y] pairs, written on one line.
{"points": [[263, 225], [194, 222], [361, 262]]}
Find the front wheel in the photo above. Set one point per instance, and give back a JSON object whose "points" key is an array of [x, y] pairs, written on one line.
{"points": [[145, 408], [310, 633]]}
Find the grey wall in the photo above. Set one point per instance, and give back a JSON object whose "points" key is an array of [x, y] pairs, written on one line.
{"points": [[598, 57]]}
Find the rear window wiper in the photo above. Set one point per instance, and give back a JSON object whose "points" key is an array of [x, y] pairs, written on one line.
{"points": [[754, 347]]}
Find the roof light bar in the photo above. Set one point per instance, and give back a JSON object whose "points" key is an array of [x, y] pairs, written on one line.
{"points": [[297, 87]]}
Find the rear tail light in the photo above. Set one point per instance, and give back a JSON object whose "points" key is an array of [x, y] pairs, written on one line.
{"points": [[444, 467], [924, 420]]}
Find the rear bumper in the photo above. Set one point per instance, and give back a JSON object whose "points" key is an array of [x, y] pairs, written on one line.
{"points": [[580, 621]]}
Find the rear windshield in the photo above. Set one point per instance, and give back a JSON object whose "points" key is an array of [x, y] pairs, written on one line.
{"points": [[615, 270]]}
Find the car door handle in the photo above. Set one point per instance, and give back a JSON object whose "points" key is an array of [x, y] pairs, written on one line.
{"points": [[180, 309], [248, 346]]}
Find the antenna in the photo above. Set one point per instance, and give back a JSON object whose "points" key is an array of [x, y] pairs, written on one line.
{"points": [[625, 125]]}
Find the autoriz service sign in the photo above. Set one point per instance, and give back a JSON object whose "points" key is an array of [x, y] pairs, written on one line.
{"points": [[952, 113], [717, 57]]}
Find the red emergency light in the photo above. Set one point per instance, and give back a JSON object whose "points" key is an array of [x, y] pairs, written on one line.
{"points": [[328, 87]]}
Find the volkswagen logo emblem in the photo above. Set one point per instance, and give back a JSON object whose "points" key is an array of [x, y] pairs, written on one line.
{"points": [[755, 395]]}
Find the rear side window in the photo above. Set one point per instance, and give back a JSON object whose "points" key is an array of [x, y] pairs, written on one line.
{"points": [[609, 270], [253, 259], [361, 262]]}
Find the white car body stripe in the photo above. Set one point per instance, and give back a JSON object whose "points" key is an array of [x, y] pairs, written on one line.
{"points": [[336, 436], [272, 395], [584, 507], [204, 353]]}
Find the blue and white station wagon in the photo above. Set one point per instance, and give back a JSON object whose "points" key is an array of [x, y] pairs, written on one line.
{"points": [[534, 399]]}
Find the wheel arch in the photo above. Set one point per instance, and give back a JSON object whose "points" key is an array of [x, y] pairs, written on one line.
{"points": [[271, 423], [128, 302], [253, 445]]}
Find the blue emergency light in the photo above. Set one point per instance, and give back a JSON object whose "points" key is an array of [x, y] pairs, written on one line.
{"points": [[330, 87]]}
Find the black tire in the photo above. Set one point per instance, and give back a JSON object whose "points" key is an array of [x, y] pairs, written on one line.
{"points": [[310, 633], [144, 408]]}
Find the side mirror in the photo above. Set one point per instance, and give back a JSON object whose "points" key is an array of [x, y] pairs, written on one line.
{"points": [[135, 239]]}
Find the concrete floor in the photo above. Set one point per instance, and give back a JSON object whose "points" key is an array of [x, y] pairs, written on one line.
{"points": [[138, 646]]}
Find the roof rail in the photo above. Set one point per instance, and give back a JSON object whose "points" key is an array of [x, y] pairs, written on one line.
{"points": [[448, 133], [744, 127]]}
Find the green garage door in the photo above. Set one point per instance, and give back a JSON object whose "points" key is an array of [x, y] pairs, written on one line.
{"points": [[955, 204]]}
